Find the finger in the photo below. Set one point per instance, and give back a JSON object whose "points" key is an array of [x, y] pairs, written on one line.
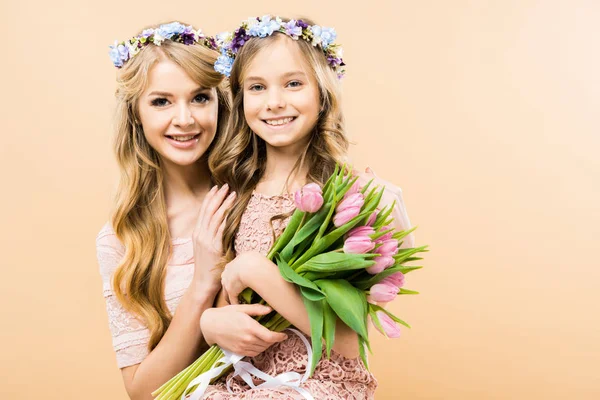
{"points": [[205, 202], [254, 310], [219, 235], [219, 215], [269, 336], [234, 298], [225, 294], [217, 200]]}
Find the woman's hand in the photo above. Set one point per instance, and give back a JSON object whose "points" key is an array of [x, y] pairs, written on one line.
{"points": [[234, 278], [234, 329], [208, 234]]}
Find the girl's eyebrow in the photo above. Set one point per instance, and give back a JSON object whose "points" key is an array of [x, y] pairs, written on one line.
{"points": [[286, 75]]}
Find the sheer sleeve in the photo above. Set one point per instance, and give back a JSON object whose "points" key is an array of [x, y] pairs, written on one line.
{"points": [[129, 335]]}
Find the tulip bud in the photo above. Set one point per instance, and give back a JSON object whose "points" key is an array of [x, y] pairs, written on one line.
{"points": [[309, 198], [372, 219], [358, 245], [388, 248], [390, 328], [348, 209], [385, 237], [381, 263], [361, 231], [383, 292], [396, 279]]}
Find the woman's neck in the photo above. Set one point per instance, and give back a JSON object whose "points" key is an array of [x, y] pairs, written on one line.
{"points": [[185, 188]]}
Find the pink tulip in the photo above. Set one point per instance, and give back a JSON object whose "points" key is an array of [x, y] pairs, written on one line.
{"points": [[358, 245], [309, 198], [341, 218], [388, 248], [383, 292], [355, 188], [385, 237], [396, 279], [361, 231], [348, 209], [372, 219], [381, 263], [390, 328]]}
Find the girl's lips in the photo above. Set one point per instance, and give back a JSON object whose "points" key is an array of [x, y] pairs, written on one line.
{"points": [[183, 144]]}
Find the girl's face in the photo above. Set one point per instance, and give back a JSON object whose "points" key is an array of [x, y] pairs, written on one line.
{"points": [[281, 96], [179, 118]]}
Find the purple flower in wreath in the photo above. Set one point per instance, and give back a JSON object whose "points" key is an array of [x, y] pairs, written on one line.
{"points": [[302, 24], [292, 29], [239, 39]]}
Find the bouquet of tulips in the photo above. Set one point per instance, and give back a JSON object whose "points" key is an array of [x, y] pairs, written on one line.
{"points": [[341, 252]]}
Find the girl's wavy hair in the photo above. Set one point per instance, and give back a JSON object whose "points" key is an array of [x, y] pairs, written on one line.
{"points": [[239, 157], [139, 217]]}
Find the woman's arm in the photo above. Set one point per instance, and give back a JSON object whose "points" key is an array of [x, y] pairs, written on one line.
{"points": [[177, 349]]}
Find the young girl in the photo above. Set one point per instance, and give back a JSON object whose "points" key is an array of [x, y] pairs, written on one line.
{"points": [[286, 129], [159, 252]]}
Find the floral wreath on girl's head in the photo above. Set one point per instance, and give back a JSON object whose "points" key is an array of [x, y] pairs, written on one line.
{"points": [[230, 44], [121, 52]]}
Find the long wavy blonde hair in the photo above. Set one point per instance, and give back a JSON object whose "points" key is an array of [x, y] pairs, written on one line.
{"points": [[140, 214], [239, 158]]}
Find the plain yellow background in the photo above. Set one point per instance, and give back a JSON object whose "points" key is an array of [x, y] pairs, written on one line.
{"points": [[486, 113]]}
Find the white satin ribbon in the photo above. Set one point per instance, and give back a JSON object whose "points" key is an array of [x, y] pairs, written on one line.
{"points": [[246, 370]]}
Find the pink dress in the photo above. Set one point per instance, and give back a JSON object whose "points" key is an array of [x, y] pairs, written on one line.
{"points": [[336, 378]]}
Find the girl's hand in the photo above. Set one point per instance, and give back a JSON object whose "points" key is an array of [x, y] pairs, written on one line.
{"points": [[208, 234], [234, 329], [234, 276]]}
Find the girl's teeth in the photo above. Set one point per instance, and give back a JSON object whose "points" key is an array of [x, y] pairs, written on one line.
{"points": [[279, 121], [182, 138]]}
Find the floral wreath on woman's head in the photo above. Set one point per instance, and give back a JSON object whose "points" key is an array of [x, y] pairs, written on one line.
{"points": [[264, 26], [121, 52]]}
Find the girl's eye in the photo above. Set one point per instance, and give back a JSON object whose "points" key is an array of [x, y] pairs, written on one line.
{"points": [[295, 84], [202, 98], [159, 102], [256, 87]]}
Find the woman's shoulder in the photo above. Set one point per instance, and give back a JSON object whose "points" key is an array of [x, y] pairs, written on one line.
{"points": [[107, 239]]}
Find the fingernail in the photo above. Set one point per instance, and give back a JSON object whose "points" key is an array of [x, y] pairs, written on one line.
{"points": [[231, 195], [225, 186]]}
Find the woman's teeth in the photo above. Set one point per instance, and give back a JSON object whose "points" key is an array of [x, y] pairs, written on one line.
{"points": [[281, 121], [182, 138]]}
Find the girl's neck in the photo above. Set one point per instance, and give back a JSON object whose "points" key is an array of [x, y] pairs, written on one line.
{"points": [[280, 175]]}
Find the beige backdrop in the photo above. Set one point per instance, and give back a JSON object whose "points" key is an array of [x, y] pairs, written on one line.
{"points": [[484, 112]]}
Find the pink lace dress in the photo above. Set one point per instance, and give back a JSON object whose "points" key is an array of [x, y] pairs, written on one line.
{"points": [[333, 379], [336, 378]]}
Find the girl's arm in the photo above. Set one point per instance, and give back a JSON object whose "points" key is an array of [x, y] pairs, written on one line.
{"points": [[255, 271]]}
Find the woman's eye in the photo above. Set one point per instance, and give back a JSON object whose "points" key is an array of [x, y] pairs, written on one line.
{"points": [[256, 87], [159, 102], [202, 98], [295, 84]]}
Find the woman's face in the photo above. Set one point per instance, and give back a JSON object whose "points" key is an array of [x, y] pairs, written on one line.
{"points": [[178, 117]]}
